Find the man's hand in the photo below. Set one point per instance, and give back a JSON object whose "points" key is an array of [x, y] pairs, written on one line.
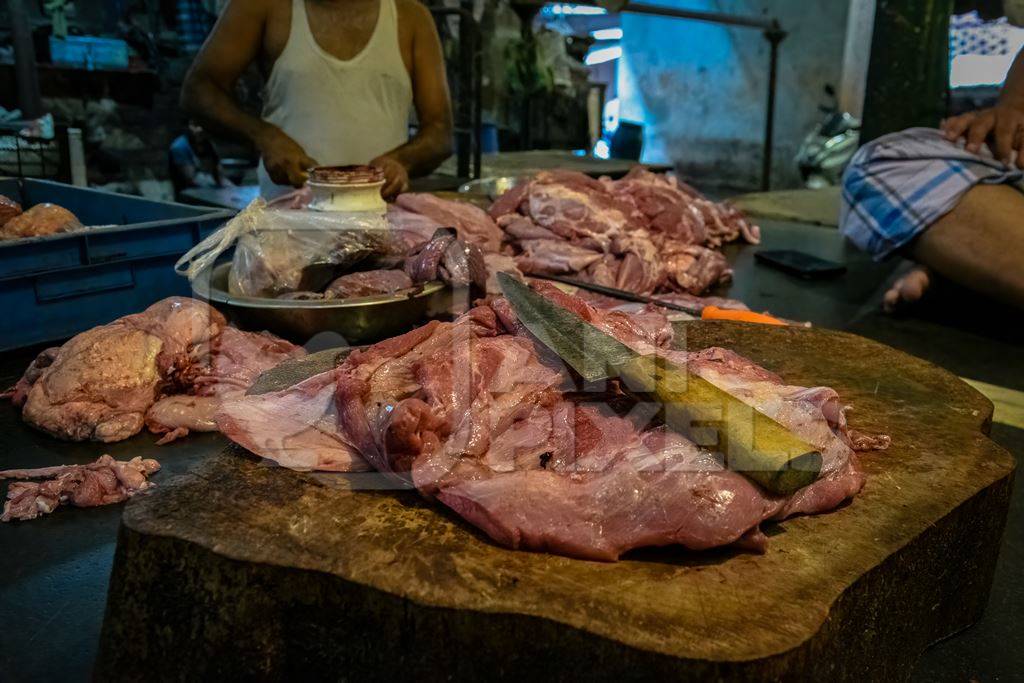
{"points": [[1003, 124], [396, 175], [285, 160]]}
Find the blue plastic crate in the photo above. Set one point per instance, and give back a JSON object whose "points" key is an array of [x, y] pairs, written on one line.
{"points": [[54, 287]]}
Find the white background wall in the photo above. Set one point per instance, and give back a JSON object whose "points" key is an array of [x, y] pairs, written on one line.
{"points": [[701, 88]]}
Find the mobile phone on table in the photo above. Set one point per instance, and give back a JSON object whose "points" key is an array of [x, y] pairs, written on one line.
{"points": [[799, 263]]}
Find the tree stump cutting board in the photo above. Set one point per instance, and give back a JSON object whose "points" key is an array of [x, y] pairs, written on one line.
{"points": [[243, 569]]}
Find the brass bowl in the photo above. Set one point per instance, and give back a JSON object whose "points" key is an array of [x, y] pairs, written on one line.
{"points": [[358, 321]]}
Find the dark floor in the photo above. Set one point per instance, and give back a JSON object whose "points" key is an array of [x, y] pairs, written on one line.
{"points": [[54, 570]]}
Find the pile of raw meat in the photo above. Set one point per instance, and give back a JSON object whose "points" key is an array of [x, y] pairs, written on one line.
{"points": [[167, 368], [644, 233], [38, 221], [480, 419]]}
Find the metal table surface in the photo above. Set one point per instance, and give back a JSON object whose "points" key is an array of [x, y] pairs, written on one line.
{"points": [[54, 573]]}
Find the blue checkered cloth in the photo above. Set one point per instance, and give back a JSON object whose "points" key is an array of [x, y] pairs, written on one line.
{"points": [[898, 186]]}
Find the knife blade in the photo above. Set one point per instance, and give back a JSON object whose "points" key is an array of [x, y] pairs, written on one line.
{"points": [[702, 312], [751, 442]]}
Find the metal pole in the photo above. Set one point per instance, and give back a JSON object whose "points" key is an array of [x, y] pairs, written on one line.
{"points": [[696, 15], [775, 36], [29, 99], [478, 101]]}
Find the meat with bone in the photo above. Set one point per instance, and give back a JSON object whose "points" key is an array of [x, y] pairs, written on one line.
{"points": [[476, 416], [39, 221], [103, 482], [644, 233], [368, 283], [167, 367]]}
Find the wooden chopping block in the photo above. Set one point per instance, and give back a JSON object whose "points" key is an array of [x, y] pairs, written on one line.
{"points": [[239, 569]]}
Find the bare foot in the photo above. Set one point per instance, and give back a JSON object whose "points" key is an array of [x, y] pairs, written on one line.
{"points": [[908, 289]]}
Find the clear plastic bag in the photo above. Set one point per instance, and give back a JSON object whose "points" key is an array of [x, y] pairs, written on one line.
{"points": [[279, 252]]}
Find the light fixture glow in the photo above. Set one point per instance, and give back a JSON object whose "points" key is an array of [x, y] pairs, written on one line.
{"points": [[603, 55], [607, 34]]}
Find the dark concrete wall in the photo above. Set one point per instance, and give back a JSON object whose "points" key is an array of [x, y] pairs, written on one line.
{"points": [[701, 87]]}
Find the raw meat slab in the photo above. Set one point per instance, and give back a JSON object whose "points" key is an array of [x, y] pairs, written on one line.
{"points": [[242, 570]]}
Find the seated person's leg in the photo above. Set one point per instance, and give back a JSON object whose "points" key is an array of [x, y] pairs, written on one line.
{"points": [[953, 211], [980, 243]]}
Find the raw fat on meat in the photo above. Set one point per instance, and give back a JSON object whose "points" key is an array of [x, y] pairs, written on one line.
{"points": [[102, 482], [411, 229], [644, 233], [367, 283], [40, 220], [476, 416], [167, 368], [298, 427], [8, 209]]}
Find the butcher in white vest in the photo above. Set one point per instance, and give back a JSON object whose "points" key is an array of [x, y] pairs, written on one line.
{"points": [[342, 77]]}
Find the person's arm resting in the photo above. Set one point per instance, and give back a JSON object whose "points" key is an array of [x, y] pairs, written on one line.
{"points": [[1002, 125], [432, 143], [207, 95]]}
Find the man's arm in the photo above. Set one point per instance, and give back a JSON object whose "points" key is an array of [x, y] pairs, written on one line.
{"points": [[232, 46], [1004, 123], [432, 144]]}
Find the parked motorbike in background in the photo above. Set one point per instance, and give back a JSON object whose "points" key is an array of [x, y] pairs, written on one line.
{"points": [[828, 148]]}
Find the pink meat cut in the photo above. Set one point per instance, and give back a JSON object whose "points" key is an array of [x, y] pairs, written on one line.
{"points": [[479, 418], [167, 368], [473, 224], [644, 233]]}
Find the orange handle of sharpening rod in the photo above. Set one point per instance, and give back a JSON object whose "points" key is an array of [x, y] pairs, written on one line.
{"points": [[716, 313]]}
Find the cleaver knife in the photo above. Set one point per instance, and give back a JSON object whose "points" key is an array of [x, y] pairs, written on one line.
{"points": [[751, 442]]}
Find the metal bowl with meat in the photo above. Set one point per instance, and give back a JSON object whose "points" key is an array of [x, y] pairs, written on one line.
{"points": [[359, 320]]}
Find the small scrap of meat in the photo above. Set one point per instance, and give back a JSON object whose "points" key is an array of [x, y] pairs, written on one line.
{"points": [[103, 482], [368, 283], [863, 441], [40, 220], [165, 368], [302, 296], [8, 209]]}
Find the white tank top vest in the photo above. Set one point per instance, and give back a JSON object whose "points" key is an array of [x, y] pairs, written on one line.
{"points": [[341, 111]]}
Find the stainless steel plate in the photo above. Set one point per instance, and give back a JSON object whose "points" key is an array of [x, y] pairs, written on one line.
{"points": [[357, 321]]}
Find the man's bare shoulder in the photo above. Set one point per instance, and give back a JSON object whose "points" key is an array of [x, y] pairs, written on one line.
{"points": [[414, 12], [261, 10]]}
